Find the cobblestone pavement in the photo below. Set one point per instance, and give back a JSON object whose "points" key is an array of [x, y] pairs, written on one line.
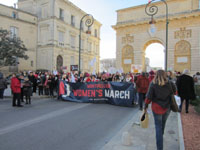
{"points": [[191, 129]]}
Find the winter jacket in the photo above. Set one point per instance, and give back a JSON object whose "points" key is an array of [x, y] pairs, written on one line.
{"points": [[161, 95], [142, 84], [3, 84], [15, 85], [185, 85], [27, 88]]}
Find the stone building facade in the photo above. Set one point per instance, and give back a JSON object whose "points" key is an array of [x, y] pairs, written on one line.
{"points": [[24, 25], [134, 34], [56, 35]]}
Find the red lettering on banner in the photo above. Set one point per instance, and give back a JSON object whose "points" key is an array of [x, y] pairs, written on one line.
{"points": [[100, 93], [100, 86], [84, 93]]}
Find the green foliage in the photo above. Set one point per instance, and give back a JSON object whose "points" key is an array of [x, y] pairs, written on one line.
{"points": [[196, 104], [10, 49]]}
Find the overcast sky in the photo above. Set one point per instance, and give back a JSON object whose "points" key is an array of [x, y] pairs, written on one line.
{"points": [[105, 12]]}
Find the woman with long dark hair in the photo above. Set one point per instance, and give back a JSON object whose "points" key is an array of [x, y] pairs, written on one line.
{"points": [[159, 93]]}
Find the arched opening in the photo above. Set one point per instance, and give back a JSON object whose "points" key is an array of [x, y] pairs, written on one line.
{"points": [[154, 56], [59, 63]]}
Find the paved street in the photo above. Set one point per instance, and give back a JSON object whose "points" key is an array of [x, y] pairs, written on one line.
{"points": [[49, 124]]}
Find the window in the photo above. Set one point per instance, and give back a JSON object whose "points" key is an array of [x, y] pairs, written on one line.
{"points": [[44, 11], [14, 15], [72, 60], [61, 14], [31, 63], [73, 41], [95, 32], [73, 20], [61, 38], [13, 32]]}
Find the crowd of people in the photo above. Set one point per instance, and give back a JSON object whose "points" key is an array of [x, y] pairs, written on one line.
{"points": [[47, 83], [152, 87]]}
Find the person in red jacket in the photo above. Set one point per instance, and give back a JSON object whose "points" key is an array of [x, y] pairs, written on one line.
{"points": [[16, 90], [142, 84], [151, 76]]}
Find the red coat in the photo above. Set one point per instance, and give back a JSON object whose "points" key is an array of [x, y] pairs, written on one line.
{"points": [[15, 85], [151, 77], [142, 84]]}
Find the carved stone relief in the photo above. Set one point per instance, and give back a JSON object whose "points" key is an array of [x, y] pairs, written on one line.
{"points": [[127, 39], [183, 34]]}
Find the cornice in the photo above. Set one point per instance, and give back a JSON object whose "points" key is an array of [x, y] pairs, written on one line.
{"points": [[162, 18], [17, 19], [77, 8], [19, 10], [144, 5]]}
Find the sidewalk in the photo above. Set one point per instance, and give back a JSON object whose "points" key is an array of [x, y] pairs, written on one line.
{"points": [[144, 139], [7, 93]]}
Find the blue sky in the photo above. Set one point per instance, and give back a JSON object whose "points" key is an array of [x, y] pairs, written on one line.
{"points": [[105, 12]]}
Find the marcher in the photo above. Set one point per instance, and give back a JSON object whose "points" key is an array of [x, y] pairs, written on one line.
{"points": [[159, 93], [27, 90], [16, 90], [3, 85], [142, 84], [185, 85], [33, 79]]}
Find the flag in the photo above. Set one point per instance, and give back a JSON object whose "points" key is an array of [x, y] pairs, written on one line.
{"points": [[92, 62], [72, 78]]}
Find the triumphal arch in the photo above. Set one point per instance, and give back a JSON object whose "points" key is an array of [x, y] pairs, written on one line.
{"points": [[134, 34]]}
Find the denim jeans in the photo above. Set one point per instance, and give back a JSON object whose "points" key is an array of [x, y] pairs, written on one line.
{"points": [[160, 121], [141, 99]]}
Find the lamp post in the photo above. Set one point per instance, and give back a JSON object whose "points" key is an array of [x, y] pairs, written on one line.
{"points": [[88, 22], [152, 10]]}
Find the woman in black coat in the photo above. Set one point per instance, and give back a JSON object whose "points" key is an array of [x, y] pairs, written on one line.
{"points": [[3, 85], [185, 86], [27, 90]]}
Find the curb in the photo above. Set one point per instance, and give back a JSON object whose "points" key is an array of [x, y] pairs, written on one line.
{"points": [[118, 136], [180, 131]]}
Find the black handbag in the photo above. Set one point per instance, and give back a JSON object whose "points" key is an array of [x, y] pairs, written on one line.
{"points": [[173, 104]]}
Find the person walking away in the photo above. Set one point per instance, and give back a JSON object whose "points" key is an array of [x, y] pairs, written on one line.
{"points": [[159, 94], [142, 84], [27, 90], [3, 85], [185, 85], [16, 90]]}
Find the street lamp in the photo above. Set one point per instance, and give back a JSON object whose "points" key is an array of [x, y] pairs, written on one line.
{"points": [[88, 22], [152, 10]]}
